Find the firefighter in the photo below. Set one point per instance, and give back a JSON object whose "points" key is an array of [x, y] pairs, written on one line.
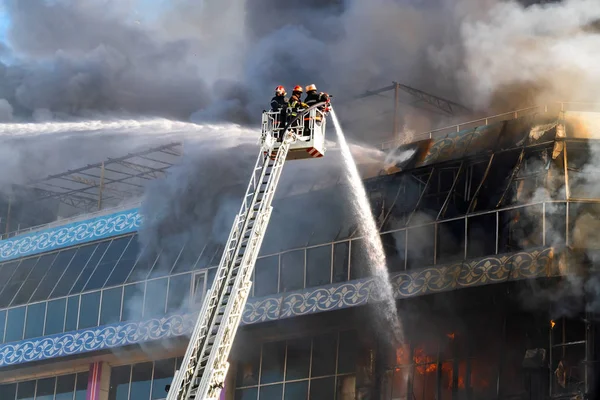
{"points": [[295, 104], [279, 103], [313, 97]]}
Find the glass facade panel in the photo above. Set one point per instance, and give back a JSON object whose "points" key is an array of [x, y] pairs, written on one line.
{"points": [[323, 388], [42, 264], [133, 302], [187, 260], [89, 267], [143, 265], [53, 275], [45, 389], [110, 310], [6, 271], [141, 381], [51, 278], [246, 394], [318, 266], [165, 263], [26, 390], [154, 305], [125, 264], [64, 285], [273, 358], [15, 324], [296, 391], [164, 370], [324, 353], [266, 276], [72, 313], [90, 307], [81, 386], [107, 264], [16, 280], [65, 386], [2, 325], [8, 391], [285, 369], [292, 271], [271, 392], [34, 325], [359, 260], [119, 383], [55, 316], [298, 359], [179, 291], [341, 257]]}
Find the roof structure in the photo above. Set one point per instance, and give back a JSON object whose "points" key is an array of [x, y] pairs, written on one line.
{"points": [[108, 183]]}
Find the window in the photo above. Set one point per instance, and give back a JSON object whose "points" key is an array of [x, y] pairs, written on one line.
{"points": [[34, 324], [73, 270], [133, 302], [143, 381], [179, 293], [37, 273], [318, 266], [55, 316], [2, 325], [53, 275], [266, 276], [359, 259], [64, 387], [200, 286], [16, 280], [125, 264], [292, 271], [287, 369], [154, 304], [107, 264], [341, 257], [15, 322], [89, 267], [110, 310], [72, 313], [89, 309]]}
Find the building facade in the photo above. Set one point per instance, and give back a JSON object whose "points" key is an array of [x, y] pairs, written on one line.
{"points": [[480, 226]]}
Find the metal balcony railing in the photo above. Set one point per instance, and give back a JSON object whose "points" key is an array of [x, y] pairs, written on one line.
{"points": [[440, 132]]}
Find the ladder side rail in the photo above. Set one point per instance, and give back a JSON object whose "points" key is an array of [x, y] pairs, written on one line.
{"points": [[217, 364], [172, 395], [211, 302], [229, 264]]}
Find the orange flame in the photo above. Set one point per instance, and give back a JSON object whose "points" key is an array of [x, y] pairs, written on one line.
{"points": [[451, 335]]}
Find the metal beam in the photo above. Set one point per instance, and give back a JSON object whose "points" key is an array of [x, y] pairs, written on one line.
{"points": [[449, 107], [483, 178]]}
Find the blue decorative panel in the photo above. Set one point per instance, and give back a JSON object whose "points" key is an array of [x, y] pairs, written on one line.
{"points": [[94, 339], [68, 235]]}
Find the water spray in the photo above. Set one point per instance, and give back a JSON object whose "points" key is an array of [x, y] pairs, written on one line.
{"points": [[374, 247]]}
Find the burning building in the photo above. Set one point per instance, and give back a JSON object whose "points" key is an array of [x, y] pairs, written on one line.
{"points": [[489, 229]]}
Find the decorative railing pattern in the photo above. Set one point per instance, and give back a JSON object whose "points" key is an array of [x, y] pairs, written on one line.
{"points": [[71, 234], [471, 273]]}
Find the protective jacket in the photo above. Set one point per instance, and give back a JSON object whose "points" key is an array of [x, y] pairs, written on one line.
{"points": [[295, 105], [278, 102], [313, 97]]}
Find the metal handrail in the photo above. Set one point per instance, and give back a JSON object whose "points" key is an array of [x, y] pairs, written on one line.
{"points": [[61, 222], [558, 106]]}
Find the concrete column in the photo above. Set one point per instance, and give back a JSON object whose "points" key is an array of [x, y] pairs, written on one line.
{"points": [[98, 381]]}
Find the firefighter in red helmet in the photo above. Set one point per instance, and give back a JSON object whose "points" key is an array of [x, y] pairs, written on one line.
{"points": [[279, 101]]}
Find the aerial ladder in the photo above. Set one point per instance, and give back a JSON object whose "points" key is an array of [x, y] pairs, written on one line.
{"points": [[204, 367]]}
